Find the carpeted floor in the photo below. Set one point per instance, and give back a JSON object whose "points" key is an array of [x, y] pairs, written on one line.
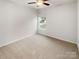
{"points": [[39, 47]]}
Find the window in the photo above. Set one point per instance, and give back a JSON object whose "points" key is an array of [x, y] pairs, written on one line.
{"points": [[41, 23]]}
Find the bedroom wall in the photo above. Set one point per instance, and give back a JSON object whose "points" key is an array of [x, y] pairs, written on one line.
{"points": [[61, 21], [78, 26], [16, 22]]}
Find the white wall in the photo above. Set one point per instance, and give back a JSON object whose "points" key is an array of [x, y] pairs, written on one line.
{"points": [[16, 21], [78, 26], [61, 21]]}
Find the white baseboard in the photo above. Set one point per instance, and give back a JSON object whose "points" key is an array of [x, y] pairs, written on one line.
{"points": [[58, 38], [10, 42]]}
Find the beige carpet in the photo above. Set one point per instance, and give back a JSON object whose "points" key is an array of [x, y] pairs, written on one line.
{"points": [[39, 47]]}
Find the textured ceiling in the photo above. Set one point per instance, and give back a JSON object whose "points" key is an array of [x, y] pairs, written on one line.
{"points": [[52, 2], [56, 1]]}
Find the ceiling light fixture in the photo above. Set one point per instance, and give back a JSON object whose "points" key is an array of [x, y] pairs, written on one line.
{"points": [[40, 3]]}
